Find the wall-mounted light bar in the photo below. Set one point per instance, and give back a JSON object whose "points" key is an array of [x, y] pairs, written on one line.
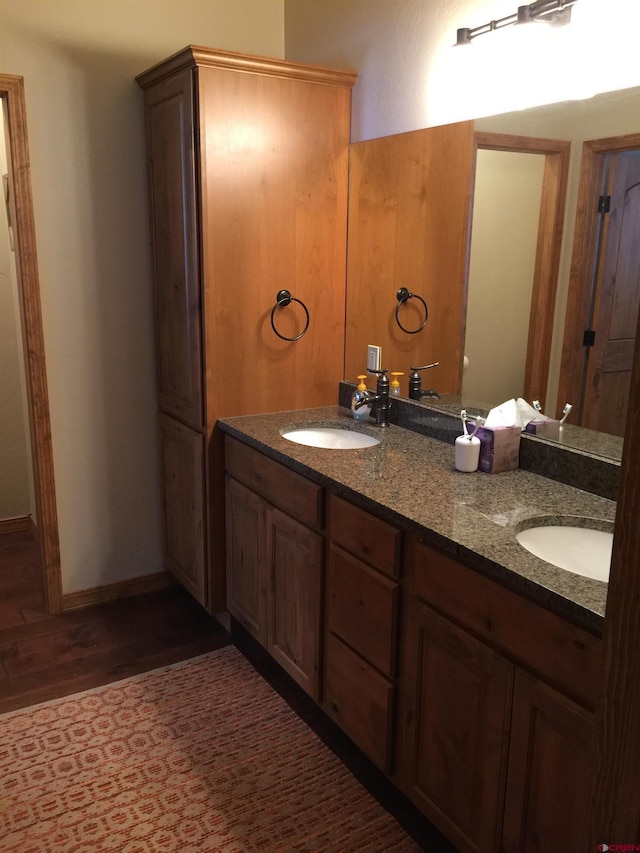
{"points": [[553, 11]]}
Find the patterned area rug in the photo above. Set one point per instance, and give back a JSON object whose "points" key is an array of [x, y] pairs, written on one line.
{"points": [[198, 756]]}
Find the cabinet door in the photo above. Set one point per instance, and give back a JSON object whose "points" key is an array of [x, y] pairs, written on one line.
{"points": [[182, 468], [360, 700], [246, 578], [274, 163], [294, 568], [171, 175], [456, 707], [547, 782]]}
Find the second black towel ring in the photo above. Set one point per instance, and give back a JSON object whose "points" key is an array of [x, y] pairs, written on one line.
{"points": [[403, 295], [284, 298]]}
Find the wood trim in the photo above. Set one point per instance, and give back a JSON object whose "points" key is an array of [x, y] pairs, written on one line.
{"points": [[16, 524], [550, 225], [583, 259], [121, 589], [33, 528], [614, 814], [194, 56], [12, 93]]}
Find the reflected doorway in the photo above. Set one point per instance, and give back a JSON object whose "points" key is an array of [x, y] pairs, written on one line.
{"points": [[544, 180], [604, 290]]}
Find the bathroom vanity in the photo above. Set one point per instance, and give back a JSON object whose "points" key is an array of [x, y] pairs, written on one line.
{"points": [[393, 590]]}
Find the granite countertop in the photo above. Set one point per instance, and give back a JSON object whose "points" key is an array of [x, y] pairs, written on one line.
{"points": [[410, 480]]}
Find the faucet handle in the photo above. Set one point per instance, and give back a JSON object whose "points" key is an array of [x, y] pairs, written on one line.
{"points": [[426, 366]]}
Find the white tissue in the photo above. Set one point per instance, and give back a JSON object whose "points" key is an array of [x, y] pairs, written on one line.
{"points": [[513, 413]]}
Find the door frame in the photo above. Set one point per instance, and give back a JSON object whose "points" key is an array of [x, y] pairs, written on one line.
{"points": [[15, 125], [583, 259], [547, 262]]}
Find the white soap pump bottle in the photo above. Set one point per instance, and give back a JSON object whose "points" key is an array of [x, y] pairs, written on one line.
{"points": [[467, 447]]}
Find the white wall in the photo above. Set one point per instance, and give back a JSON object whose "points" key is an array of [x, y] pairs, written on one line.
{"points": [[412, 77], [79, 59]]}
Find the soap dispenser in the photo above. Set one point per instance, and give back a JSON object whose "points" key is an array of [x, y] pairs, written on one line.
{"points": [[394, 385], [363, 412]]}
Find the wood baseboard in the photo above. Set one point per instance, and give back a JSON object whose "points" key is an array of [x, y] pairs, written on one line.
{"points": [[113, 591], [17, 524]]}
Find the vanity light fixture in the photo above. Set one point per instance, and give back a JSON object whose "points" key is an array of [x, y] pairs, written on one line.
{"points": [[552, 11]]}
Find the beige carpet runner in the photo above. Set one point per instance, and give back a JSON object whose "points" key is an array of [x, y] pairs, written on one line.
{"points": [[198, 756]]}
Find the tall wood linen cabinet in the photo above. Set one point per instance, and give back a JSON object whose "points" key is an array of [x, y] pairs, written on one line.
{"points": [[247, 163]]}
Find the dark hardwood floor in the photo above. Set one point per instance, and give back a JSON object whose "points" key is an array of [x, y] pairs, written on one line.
{"points": [[45, 657]]}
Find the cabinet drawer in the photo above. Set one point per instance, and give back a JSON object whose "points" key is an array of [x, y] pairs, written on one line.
{"points": [[281, 486], [563, 654], [364, 535], [362, 609], [360, 700]]}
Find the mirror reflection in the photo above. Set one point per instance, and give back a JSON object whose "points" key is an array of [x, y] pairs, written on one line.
{"points": [[537, 283]]}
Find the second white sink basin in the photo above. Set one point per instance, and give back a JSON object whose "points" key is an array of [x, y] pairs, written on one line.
{"points": [[580, 550], [330, 438]]}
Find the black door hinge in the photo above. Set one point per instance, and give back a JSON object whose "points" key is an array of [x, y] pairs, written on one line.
{"points": [[589, 338], [604, 203]]}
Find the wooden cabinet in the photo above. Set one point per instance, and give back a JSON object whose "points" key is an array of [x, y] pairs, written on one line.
{"points": [[492, 753], [455, 728], [294, 573], [548, 778], [183, 505], [235, 144], [246, 575], [361, 600], [274, 561]]}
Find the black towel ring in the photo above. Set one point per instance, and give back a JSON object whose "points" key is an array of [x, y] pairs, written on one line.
{"points": [[284, 298], [403, 295]]}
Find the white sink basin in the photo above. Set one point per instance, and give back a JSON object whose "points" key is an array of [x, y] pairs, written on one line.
{"points": [[580, 550], [330, 438]]}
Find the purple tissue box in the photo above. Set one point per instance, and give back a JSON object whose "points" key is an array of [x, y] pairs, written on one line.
{"points": [[499, 449], [544, 429]]}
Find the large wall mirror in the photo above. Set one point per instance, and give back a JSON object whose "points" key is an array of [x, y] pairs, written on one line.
{"points": [[499, 225]]}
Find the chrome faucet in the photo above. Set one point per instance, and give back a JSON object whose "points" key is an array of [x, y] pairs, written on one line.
{"points": [[380, 398], [415, 383]]}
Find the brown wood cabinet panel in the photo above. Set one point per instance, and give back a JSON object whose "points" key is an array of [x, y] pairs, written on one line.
{"points": [[364, 535], [456, 701], [281, 486], [549, 760], [246, 575], [182, 467], [360, 700], [362, 607], [274, 160], [409, 216], [171, 175], [294, 570], [563, 654]]}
